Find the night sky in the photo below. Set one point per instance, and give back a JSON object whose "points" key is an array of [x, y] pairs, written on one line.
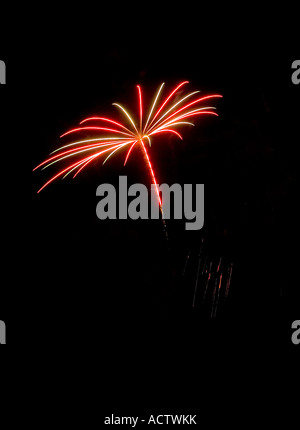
{"points": [[117, 287]]}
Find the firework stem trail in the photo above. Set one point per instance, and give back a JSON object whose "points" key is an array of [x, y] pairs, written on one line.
{"points": [[156, 187], [152, 173]]}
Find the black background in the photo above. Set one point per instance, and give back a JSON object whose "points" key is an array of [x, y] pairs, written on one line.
{"points": [[115, 288]]}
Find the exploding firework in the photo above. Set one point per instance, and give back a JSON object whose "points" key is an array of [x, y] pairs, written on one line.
{"points": [[112, 137]]}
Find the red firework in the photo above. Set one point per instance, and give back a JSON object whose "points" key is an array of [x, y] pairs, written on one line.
{"points": [[112, 136]]}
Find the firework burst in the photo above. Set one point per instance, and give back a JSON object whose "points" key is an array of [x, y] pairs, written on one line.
{"points": [[112, 137]]}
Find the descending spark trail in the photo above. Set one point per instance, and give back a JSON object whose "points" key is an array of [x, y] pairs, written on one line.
{"points": [[198, 271], [213, 278], [217, 287], [228, 280], [110, 141]]}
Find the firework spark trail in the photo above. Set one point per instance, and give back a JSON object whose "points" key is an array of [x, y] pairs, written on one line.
{"points": [[204, 266], [228, 280], [198, 271], [216, 291], [163, 120], [186, 263], [212, 279], [208, 270]]}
